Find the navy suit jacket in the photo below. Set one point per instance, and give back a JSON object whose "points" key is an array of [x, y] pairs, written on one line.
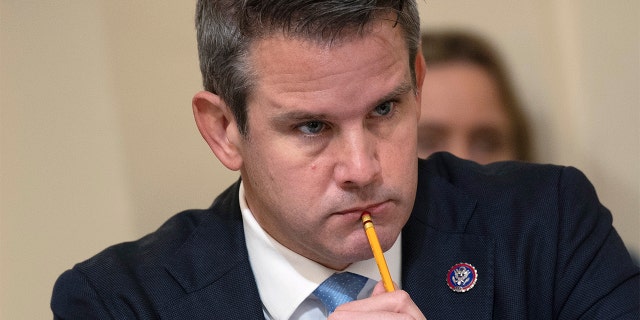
{"points": [[542, 245]]}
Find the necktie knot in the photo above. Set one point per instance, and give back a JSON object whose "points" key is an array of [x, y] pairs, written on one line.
{"points": [[340, 288]]}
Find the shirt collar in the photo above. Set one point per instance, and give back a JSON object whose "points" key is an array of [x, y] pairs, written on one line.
{"points": [[284, 278]]}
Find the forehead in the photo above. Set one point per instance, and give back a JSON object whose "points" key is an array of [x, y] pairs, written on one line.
{"points": [[287, 68], [462, 92]]}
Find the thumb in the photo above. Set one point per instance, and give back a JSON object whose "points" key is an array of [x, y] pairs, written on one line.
{"points": [[379, 288]]}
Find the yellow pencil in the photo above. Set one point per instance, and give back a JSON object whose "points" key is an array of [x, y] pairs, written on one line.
{"points": [[377, 251]]}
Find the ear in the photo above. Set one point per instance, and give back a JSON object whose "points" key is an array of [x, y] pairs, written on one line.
{"points": [[421, 70], [218, 128]]}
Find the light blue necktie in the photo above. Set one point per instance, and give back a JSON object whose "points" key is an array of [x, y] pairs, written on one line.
{"points": [[340, 288]]}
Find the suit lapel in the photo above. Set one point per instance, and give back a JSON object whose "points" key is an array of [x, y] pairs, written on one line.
{"points": [[213, 268], [435, 239]]}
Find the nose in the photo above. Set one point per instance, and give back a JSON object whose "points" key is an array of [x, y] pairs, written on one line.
{"points": [[358, 162]]}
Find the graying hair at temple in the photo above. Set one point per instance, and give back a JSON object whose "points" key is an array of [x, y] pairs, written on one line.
{"points": [[227, 28]]}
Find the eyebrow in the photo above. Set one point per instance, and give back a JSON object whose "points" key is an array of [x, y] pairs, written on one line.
{"points": [[298, 115], [401, 89]]}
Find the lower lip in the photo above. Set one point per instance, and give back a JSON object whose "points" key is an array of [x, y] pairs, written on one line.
{"points": [[375, 210]]}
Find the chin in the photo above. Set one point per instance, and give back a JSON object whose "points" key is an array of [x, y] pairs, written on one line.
{"points": [[360, 253]]}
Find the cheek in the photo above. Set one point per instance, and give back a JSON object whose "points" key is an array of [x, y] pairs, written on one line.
{"points": [[405, 140], [398, 159]]}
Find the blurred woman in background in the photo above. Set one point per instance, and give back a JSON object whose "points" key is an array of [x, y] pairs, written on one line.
{"points": [[469, 107]]}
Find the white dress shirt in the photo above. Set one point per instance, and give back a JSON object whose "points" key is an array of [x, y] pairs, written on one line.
{"points": [[286, 280]]}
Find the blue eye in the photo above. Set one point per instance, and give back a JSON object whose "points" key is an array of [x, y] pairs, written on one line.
{"points": [[384, 108], [312, 127]]}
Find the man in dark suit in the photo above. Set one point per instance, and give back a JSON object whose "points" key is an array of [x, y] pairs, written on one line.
{"points": [[316, 104]]}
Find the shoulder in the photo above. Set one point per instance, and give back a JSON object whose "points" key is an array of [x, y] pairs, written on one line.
{"points": [[462, 173], [508, 193], [501, 179], [136, 273], [168, 238]]}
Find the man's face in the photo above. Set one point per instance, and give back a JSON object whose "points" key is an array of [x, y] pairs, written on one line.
{"points": [[332, 132]]}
